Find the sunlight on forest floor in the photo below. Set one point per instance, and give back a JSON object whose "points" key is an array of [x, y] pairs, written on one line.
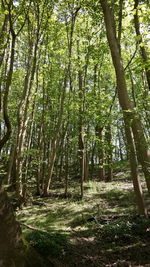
{"points": [[100, 198], [93, 231]]}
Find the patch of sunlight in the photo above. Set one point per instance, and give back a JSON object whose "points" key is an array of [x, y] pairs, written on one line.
{"points": [[60, 214]]}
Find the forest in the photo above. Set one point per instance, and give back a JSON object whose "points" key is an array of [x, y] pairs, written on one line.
{"points": [[74, 133]]}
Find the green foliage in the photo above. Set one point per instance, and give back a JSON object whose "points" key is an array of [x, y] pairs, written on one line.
{"points": [[117, 231], [120, 165], [45, 243], [124, 230]]}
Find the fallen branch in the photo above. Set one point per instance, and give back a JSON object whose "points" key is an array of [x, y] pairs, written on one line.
{"points": [[32, 227]]}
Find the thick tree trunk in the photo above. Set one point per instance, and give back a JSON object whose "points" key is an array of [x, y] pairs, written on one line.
{"points": [[13, 251], [12, 247], [125, 103]]}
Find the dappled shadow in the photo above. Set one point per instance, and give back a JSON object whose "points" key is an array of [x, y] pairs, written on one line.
{"points": [[96, 231], [71, 213], [121, 198], [50, 245], [124, 240]]}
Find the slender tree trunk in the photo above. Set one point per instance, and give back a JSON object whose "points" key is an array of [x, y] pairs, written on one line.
{"points": [[54, 142], [99, 134], [92, 160], [66, 165], [67, 75], [62, 147], [10, 165], [108, 137], [61, 167], [125, 103], [23, 113], [27, 162], [134, 170], [142, 47], [81, 159], [86, 167], [2, 38], [52, 158], [120, 142], [40, 160], [6, 93], [81, 133]]}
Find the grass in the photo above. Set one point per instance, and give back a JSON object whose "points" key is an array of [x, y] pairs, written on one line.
{"points": [[58, 213], [101, 223]]}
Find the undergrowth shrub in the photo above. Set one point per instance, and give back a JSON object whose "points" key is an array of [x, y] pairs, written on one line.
{"points": [[53, 244], [126, 230]]}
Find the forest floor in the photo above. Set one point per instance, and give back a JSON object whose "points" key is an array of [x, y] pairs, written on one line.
{"points": [[102, 229]]}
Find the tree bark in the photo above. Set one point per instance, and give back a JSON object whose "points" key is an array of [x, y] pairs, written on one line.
{"points": [[6, 93], [99, 134], [23, 113], [125, 103], [66, 165], [142, 47], [67, 74], [81, 133], [10, 234], [108, 137], [134, 170]]}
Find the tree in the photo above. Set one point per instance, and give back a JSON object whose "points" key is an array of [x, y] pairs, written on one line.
{"points": [[140, 42], [130, 116]]}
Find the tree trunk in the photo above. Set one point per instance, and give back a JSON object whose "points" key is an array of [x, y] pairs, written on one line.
{"points": [[81, 133], [86, 167], [12, 247], [13, 251], [23, 113], [92, 160], [10, 177], [142, 48], [108, 137], [61, 167], [6, 93], [134, 170], [81, 159], [66, 165], [52, 158], [99, 134], [125, 103]]}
